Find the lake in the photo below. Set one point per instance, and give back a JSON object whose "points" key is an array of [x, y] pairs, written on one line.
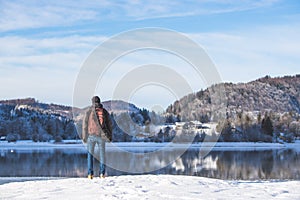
{"points": [[220, 164]]}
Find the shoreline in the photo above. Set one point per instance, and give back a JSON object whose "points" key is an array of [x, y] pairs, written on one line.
{"points": [[30, 145]]}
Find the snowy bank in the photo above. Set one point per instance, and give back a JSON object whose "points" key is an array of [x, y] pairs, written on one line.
{"points": [[132, 146], [146, 187]]}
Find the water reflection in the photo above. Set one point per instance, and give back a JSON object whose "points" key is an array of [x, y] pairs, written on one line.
{"points": [[245, 165], [42, 163]]}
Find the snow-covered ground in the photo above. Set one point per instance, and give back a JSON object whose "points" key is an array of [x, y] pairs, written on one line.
{"points": [[146, 187]]}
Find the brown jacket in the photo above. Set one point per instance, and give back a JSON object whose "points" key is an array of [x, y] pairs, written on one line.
{"points": [[104, 131]]}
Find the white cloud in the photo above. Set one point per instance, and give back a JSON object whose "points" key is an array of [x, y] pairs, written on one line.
{"points": [[248, 54], [166, 9], [44, 68], [133, 62], [15, 15], [40, 51], [35, 14], [47, 85]]}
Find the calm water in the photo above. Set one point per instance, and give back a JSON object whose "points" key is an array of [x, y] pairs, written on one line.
{"points": [[246, 165]]}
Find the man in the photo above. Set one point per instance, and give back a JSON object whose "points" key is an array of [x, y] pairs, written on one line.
{"points": [[97, 129]]}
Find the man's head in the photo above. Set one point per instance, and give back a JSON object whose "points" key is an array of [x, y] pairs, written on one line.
{"points": [[96, 101]]}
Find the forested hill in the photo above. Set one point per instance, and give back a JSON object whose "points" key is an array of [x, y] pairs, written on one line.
{"points": [[32, 104], [279, 95], [29, 119]]}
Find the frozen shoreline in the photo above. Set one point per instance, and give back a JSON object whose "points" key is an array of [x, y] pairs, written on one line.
{"points": [[147, 187], [29, 145]]}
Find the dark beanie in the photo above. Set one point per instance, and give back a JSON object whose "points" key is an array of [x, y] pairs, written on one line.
{"points": [[96, 99]]}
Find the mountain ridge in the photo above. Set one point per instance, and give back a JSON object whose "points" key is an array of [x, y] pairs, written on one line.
{"points": [[279, 94], [115, 106]]}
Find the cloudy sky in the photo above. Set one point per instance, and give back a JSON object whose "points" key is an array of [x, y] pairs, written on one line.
{"points": [[45, 43]]}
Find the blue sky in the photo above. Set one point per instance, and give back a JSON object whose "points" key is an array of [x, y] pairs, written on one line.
{"points": [[44, 43]]}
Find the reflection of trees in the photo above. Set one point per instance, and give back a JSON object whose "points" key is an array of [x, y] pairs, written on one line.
{"points": [[240, 165], [258, 165], [277, 164], [43, 163], [142, 162], [267, 165]]}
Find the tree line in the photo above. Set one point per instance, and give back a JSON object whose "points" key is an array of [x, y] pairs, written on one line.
{"points": [[29, 124]]}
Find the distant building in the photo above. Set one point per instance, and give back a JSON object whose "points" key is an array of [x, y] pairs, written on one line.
{"points": [[179, 125]]}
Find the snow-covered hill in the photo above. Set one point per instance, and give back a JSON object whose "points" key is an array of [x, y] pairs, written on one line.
{"points": [[28, 119], [245, 108], [279, 94]]}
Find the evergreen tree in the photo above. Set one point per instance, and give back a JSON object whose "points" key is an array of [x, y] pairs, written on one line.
{"points": [[267, 126], [145, 113], [70, 131], [259, 118]]}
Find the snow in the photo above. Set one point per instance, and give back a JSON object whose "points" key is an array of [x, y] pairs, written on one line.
{"points": [[147, 187], [132, 146]]}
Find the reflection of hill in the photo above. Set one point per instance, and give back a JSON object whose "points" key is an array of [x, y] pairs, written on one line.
{"points": [[254, 165], [237, 165]]}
